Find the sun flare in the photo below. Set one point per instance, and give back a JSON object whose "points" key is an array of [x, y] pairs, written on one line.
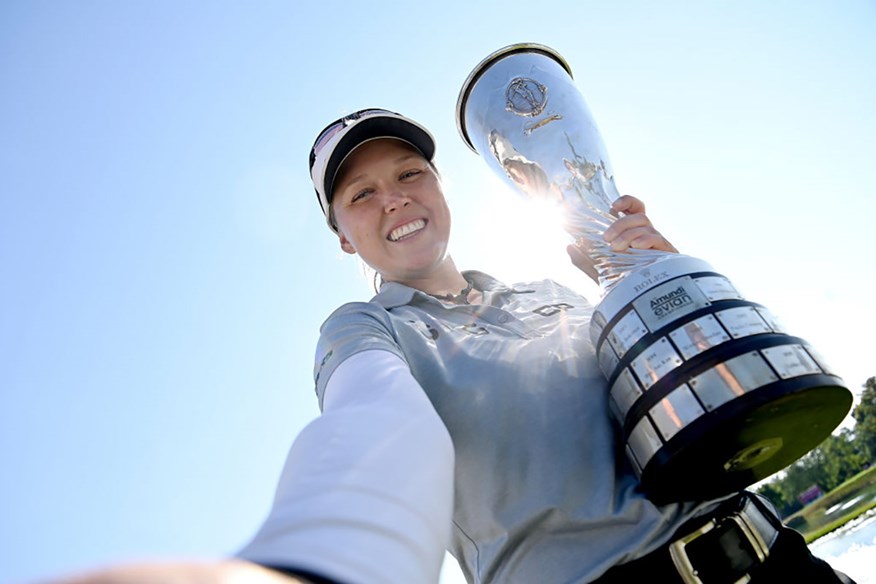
{"points": [[511, 237]]}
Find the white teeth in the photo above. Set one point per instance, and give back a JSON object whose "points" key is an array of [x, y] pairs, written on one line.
{"points": [[406, 229]]}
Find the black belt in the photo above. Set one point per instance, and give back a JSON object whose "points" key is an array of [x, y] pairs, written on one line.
{"points": [[723, 547]]}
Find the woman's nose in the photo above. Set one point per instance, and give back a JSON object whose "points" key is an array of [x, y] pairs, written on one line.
{"points": [[395, 200]]}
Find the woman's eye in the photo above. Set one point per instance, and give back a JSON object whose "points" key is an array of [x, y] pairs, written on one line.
{"points": [[410, 173], [360, 195]]}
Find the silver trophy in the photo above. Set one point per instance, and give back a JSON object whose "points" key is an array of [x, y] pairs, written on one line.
{"points": [[710, 392]]}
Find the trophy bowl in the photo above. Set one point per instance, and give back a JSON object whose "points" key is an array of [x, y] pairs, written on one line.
{"points": [[710, 392]]}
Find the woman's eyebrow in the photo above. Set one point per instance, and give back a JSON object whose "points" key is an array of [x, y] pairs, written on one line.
{"points": [[358, 177]]}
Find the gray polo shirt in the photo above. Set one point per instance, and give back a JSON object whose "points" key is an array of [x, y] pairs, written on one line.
{"points": [[543, 492]]}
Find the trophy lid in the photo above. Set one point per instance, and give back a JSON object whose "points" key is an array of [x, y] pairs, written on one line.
{"points": [[491, 59]]}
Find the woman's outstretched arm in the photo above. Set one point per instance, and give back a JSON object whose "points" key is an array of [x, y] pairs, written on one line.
{"points": [[366, 495]]}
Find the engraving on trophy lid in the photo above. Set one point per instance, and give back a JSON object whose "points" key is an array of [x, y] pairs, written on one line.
{"points": [[525, 97]]}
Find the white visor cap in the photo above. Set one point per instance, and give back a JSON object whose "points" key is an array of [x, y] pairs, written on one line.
{"points": [[340, 138]]}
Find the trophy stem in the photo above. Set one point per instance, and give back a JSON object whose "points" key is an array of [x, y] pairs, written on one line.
{"points": [[586, 206]]}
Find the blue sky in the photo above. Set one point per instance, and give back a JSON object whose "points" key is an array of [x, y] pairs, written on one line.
{"points": [[164, 266]]}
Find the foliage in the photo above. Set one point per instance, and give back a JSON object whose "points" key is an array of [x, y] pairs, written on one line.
{"points": [[832, 462], [865, 418]]}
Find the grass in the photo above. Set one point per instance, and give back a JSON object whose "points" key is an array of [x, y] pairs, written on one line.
{"points": [[823, 515], [824, 530]]}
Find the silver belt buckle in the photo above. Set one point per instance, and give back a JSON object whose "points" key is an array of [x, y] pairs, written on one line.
{"points": [[682, 562]]}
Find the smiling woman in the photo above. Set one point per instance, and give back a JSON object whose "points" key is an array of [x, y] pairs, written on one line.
{"points": [[497, 365], [460, 412], [389, 209]]}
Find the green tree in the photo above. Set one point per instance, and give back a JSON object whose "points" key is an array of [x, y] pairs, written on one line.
{"points": [[865, 419], [840, 457], [773, 491], [831, 463], [803, 474]]}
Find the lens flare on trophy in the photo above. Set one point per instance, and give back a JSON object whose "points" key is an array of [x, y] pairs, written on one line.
{"points": [[709, 390]]}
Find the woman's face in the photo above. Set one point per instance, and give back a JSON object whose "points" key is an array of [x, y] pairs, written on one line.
{"points": [[390, 209]]}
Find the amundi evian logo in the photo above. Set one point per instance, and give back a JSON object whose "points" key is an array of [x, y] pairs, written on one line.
{"points": [[671, 301]]}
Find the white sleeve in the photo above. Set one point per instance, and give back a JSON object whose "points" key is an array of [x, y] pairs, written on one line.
{"points": [[366, 495]]}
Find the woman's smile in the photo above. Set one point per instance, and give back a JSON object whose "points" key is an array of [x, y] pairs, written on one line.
{"points": [[407, 230]]}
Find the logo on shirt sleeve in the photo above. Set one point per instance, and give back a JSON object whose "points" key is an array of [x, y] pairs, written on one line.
{"points": [[552, 309]]}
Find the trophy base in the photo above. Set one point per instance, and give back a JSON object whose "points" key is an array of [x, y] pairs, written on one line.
{"points": [[746, 440], [711, 393]]}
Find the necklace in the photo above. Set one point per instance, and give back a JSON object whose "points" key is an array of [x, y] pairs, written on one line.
{"points": [[461, 298]]}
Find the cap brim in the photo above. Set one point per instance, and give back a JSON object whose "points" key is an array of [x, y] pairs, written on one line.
{"points": [[372, 128]]}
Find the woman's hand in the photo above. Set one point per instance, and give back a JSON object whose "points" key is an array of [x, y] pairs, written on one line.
{"points": [[632, 231]]}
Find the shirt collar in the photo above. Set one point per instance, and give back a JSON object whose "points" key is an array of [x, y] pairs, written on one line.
{"points": [[393, 294]]}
